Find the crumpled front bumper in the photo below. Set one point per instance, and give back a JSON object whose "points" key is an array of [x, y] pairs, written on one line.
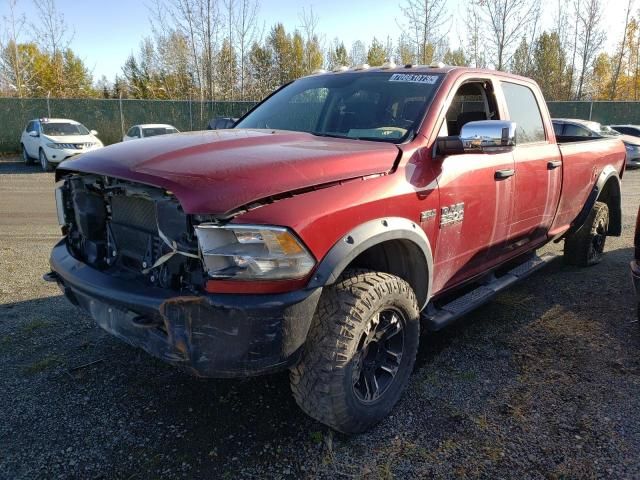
{"points": [[211, 335]]}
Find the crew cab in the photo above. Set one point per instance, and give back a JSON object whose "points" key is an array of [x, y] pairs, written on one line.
{"points": [[339, 218]]}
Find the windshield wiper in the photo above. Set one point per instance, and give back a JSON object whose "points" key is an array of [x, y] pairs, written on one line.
{"points": [[372, 139], [323, 134]]}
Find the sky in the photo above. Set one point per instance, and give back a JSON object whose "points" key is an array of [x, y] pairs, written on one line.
{"points": [[107, 32]]}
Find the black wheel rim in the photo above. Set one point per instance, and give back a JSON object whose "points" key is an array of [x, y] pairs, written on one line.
{"points": [[379, 355], [598, 240]]}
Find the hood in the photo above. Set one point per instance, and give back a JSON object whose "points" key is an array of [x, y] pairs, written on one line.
{"points": [[630, 139], [217, 171], [71, 138]]}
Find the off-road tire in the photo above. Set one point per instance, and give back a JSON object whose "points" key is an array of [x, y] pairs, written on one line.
{"points": [[25, 156], [44, 162], [323, 381], [585, 247]]}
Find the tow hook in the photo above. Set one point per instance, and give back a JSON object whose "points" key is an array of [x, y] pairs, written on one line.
{"points": [[51, 277]]}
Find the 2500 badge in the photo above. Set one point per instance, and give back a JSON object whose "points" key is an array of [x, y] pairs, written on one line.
{"points": [[452, 214]]}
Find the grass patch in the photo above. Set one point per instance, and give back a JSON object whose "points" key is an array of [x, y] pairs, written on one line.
{"points": [[43, 364], [34, 325]]}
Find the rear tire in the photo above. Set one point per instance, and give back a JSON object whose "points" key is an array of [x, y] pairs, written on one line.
{"points": [[360, 351], [44, 162], [25, 156], [585, 247]]}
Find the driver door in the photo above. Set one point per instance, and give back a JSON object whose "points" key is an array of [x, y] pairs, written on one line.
{"points": [[476, 193]]}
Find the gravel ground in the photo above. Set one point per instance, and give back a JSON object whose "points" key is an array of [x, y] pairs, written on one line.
{"points": [[543, 382]]}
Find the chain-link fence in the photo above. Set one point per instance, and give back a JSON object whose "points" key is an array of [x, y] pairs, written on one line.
{"points": [[607, 113], [111, 118]]}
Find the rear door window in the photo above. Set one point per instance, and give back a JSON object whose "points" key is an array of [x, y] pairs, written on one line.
{"points": [[525, 112], [571, 130]]}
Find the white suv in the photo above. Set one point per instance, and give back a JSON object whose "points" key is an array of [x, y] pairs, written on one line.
{"points": [[52, 140]]}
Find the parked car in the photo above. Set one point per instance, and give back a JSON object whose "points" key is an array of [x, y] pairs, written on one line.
{"points": [[635, 263], [585, 128], [337, 219], [221, 123], [52, 140], [148, 130], [633, 130]]}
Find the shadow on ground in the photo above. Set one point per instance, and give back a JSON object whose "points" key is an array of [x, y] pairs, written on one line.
{"points": [[10, 167]]}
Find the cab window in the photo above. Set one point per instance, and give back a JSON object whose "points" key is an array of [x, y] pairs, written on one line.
{"points": [[525, 112], [571, 130], [472, 102]]}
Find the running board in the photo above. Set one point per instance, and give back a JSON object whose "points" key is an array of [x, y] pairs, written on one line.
{"points": [[438, 318]]}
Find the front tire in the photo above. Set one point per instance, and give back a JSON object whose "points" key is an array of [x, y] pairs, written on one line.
{"points": [[360, 351], [585, 247], [44, 162]]}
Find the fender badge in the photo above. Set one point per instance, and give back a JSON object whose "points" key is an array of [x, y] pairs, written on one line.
{"points": [[427, 214], [452, 214]]}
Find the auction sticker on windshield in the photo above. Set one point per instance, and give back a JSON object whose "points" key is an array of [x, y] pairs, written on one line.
{"points": [[413, 78]]}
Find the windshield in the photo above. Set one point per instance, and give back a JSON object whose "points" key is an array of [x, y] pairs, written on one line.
{"points": [[608, 131], [376, 106], [603, 130], [61, 129], [152, 132]]}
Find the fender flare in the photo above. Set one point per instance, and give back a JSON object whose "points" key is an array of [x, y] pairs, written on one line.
{"points": [[367, 235], [615, 225]]}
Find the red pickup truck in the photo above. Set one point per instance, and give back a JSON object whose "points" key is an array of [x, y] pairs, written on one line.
{"points": [[339, 218]]}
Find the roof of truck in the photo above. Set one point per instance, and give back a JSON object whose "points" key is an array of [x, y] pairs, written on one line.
{"points": [[436, 68]]}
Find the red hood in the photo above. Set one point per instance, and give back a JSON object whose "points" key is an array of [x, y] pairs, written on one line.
{"points": [[217, 171]]}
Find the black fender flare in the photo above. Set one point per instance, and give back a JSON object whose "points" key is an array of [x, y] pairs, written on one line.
{"points": [[615, 211], [367, 235]]}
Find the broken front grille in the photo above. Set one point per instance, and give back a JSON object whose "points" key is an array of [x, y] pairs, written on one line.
{"points": [[116, 227]]}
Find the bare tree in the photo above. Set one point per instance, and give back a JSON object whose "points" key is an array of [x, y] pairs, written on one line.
{"points": [[246, 34], [425, 20], [505, 22], [15, 74], [312, 48], [230, 65], [358, 53], [51, 30], [620, 55], [475, 41], [564, 27], [589, 37]]}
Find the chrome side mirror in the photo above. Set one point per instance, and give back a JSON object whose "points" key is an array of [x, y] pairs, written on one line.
{"points": [[484, 136], [488, 136]]}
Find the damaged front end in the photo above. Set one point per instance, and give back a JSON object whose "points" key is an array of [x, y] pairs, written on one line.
{"points": [[130, 258]]}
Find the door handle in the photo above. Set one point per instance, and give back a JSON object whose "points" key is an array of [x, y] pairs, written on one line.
{"points": [[502, 174], [554, 164]]}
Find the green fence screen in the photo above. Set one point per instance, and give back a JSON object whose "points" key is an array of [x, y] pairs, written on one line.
{"points": [[110, 117], [607, 113]]}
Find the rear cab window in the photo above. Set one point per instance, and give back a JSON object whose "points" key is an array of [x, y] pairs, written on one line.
{"points": [[525, 112]]}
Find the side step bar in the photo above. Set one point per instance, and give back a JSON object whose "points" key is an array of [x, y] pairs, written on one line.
{"points": [[437, 318]]}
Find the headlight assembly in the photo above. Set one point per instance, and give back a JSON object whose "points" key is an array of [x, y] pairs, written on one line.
{"points": [[252, 252]]}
